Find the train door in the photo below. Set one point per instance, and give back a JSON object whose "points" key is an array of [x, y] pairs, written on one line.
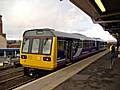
{"points": [[98, 45], [68, 49]]}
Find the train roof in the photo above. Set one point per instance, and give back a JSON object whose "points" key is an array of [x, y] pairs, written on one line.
{"points": [[99, 39], [70, 35], [83, 37], [52, 32]]}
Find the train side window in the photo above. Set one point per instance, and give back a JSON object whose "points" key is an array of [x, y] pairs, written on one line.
{"points": [[1, 52], [93, 43], [61, 49], [85, 44], [35, 46], [25, 45], [80, 44], [75, 44], [61, 45]]}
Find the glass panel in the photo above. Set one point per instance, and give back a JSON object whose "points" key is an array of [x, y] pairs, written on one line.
{"points": [[80, 44], [25, 45], [61, 49], [61, 45], [1, 52], [35, 46], [93, 43], [85, 44], [46, 46]]}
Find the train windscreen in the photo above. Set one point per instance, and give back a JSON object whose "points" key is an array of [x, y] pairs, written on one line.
{"points": [[37, 45]]}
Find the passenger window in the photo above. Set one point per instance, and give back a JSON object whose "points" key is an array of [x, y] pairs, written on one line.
{"points": [[61, 49], [94, 43], [85, 44], [80, 44], [75, 44], [61, 45]]}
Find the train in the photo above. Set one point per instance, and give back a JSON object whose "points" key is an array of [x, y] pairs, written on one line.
{"points": [[47, 49], [9, 52]]}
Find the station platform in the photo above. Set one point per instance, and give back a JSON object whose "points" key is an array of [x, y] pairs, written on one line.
{"points": [[98, 76]]}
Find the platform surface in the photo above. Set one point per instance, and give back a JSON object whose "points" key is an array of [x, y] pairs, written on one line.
{"points": [[98, 76]]}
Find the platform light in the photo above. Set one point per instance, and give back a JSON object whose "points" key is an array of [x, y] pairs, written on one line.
{"points": [[100, 5]]}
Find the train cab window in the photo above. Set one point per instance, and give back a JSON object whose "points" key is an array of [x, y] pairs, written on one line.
{"points": [[35, 46], [25, 45], [46, 46]]}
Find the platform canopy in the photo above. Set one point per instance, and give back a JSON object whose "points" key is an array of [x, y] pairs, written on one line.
{"points": [[104, 12]]}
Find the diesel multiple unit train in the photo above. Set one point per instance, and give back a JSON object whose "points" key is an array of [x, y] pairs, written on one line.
{"points": [[47, 49]]}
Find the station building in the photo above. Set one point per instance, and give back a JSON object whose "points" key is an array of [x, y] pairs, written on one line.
{"points": [[3, 41]]}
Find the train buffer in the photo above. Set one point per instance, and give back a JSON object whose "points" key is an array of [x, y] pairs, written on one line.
{"points": [[80, 75]]}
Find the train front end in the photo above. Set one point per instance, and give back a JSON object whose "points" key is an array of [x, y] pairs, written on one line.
{"points": [[39, 50]]}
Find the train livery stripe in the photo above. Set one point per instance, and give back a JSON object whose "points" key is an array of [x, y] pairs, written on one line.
{"points": [[61, 60]]}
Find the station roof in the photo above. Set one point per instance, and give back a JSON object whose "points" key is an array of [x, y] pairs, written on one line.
{"points": [[104, 12]]}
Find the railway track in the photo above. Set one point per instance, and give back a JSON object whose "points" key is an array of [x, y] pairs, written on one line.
{"points": [[29, 79], [10, 71], [6, 67], [11, 79], [9, 82], [15, 82]]}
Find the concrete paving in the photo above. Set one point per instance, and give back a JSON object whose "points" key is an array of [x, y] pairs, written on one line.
{"points": [[98, 76]]}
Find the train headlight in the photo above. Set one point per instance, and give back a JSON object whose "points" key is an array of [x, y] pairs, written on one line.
{"points": [[23, 56], [46, 59]]}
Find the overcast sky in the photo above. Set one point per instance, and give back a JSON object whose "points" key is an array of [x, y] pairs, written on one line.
{"points": [[21, 15]]}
